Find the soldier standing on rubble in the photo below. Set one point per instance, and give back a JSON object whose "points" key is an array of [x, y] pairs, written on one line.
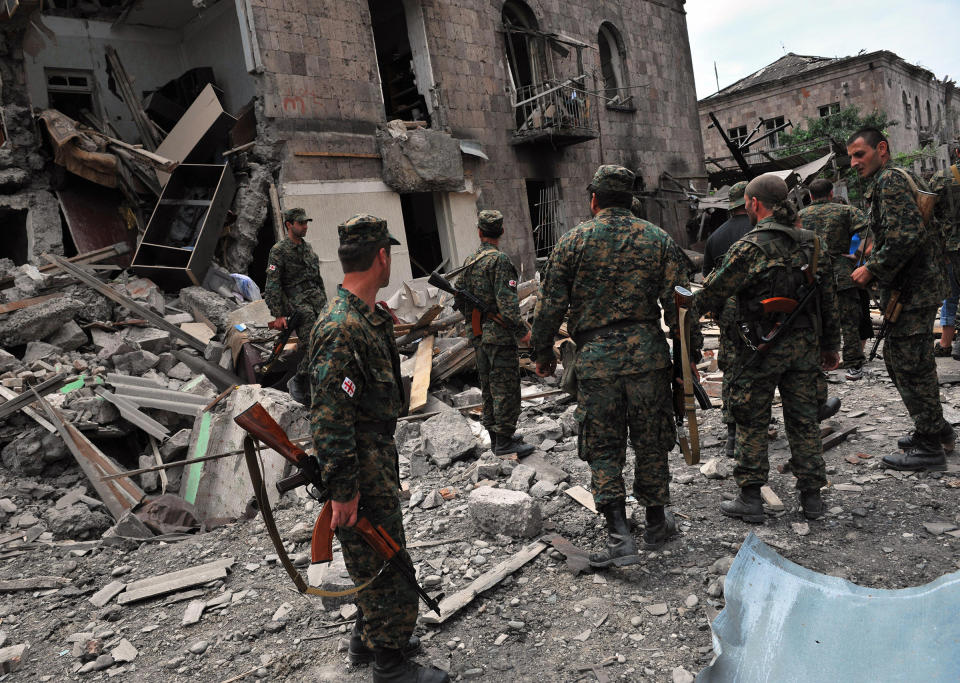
{"points": [[719, 242], [764, 264], [293, 286], [489, 275], [946, 184], [904, 259], [836, 224], [357, 396], [610, 273]]}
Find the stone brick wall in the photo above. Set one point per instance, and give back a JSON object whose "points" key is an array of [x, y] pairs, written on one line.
{"points": [[321, 93]]}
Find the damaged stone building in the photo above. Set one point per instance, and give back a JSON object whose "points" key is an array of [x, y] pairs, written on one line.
{"points": [[421, 111], [797, 87]]}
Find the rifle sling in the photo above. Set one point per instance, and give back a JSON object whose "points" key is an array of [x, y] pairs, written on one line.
{"points": [[250, 451]]}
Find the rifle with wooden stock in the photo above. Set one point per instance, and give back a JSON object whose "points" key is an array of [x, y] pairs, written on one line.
{"points": [[260, 426], [480, 311]]}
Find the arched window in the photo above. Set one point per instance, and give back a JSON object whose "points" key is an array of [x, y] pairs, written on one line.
{"points": [[929, 116], [613, 63], [907, 116], [523, 55]]}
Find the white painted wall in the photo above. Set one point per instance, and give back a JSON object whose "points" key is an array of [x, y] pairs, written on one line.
{"points": [[457, 223]]}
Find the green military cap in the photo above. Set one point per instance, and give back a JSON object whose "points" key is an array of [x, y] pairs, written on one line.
{"points": [[362, 228], [736, 194], [297, 215], [612, 178], [490, 222]]}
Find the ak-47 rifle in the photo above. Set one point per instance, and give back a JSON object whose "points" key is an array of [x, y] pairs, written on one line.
{"points": [[891, 314], [481, 311], [793, 308], [260, 426], [293, 322]]}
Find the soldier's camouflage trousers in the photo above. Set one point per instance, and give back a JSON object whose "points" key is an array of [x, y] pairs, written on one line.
{"points": [[498, 367], [309, 308], [729, 342], [610, 409], [793, 367], [849, 309], [389, 604], [913, 369]]}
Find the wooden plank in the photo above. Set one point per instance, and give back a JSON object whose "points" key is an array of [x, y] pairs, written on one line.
{"points": [[453, 604], [174, 581], [125, 301], [148, 135], [33, 583], [421, 374], [836, 438], [26, 303], [582, 496], [224, 562], [107, 593], [338, 155], [17, 402], [11, 395]]}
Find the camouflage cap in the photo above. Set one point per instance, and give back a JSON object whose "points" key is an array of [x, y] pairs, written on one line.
{"points": [[364, 228], [612, 178], [297, 215], [736, 194], [490, 222]]}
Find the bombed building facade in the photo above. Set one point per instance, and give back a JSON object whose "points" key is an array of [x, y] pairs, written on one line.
{"points": [[421, 111]]}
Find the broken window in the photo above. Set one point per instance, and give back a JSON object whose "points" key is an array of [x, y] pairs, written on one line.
{"points": [[547, 216], [737, 134], [613, 60], [405, 87], [771, 124], [70, 91], [422, 231], [828, 110]]}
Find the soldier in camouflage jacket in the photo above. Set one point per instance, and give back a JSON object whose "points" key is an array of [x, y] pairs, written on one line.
{"points": [[490, 276], [946, 184], [357, 396], [905, 259], [293, 286], [610, 273]]}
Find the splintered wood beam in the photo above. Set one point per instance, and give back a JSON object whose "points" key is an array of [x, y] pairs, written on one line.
{"points": [[421, 374]]}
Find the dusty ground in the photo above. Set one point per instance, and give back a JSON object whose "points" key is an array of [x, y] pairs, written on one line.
{"points": [[541, 624]]}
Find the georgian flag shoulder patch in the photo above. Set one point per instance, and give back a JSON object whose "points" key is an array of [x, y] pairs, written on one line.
{"points": [[512, 283], [348, 386], [271, 267]]}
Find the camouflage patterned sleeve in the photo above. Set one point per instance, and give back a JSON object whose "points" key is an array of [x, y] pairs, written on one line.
{"points": [[273, 292], [829, 304], [858, 221], [337, 388], [552, 302], [505, 288], [901, 227], [733, 273]]}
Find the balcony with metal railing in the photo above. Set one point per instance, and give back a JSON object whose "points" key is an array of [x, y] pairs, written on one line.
{"points": [[560, 113]]}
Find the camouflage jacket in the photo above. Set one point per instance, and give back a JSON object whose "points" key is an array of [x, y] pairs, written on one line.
{"points": [[354, 378], [612, 269], [836, 225], [293, 278], [947, 211], [743, 274], [493, 279], [905, 254]]}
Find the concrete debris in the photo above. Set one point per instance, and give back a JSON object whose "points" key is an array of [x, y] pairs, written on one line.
{"points": [[420, 160], [447, 438], [69, 337], [500, 511], [76, 521], [40, 321], [12, 657], [715, 468]]}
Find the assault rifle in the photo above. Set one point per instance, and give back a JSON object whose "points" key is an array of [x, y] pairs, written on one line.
{"points": [[481, 311], [891, 314], [258, 423], [293, 322], [792, 308]]}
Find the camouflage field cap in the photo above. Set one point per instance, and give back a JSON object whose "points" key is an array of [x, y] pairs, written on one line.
{"points": [[736, 194], [363, 228], [490, 222], [297, 215], [612, 178]]}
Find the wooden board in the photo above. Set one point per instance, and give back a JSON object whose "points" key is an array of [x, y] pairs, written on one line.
{"points": [[26, 303], [582, 496], [421, 373], [170, 583]]}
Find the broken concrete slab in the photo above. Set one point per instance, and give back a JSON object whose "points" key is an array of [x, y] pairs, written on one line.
{"points": [[107, 593], [209, 304], [38, 350], [546, 471], [69, 337], [500, 511], [447, 437], [135, 362], [38, 322], [520, 478], [148, 338], [419, 160], [76, 521], [12, 657]]}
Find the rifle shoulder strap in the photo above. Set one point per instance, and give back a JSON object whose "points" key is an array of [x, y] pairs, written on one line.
{"points": [[475, 260]]}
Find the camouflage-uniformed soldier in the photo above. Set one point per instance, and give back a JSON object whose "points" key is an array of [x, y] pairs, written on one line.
{"points": [[610, 272], [836, 224], [763, 264], [719, 242], [357, 396], [946, 184], [293, 286], [490, 276], [905, 258]]}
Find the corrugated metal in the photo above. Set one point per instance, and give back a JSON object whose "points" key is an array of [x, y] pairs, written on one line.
{"points": [[785, 623]]}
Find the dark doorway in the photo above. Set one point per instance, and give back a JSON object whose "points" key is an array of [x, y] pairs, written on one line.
{"points": [[16, 243], [401, 98], [266, 238], [423, 234]]}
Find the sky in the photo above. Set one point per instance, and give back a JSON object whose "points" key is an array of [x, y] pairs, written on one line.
{"points": [[743, 36]]}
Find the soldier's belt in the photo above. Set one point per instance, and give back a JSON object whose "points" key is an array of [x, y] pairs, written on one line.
{"points": [[585, 336], [387, 427]]}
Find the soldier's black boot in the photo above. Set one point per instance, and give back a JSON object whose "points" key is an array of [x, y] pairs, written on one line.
{"points": [[359, 653], [924, 454], [731, 440], [505, 445], [747, 506], [298, 387], [621, 547], [947, 437], [828, 408], [661, 527], [812, 503], [390, 666]]}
